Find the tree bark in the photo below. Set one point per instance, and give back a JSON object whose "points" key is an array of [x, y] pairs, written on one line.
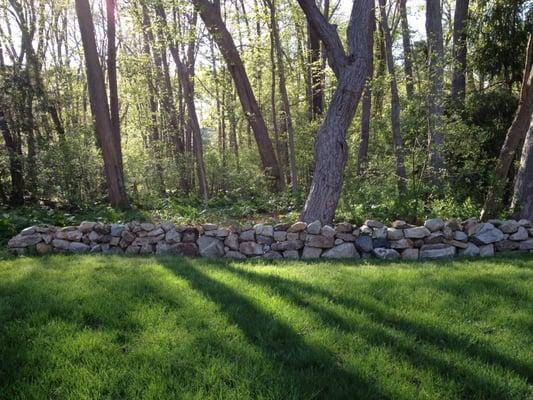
{"points": [[112, 72], [435, 73], [407, 52], [210, 14], [14, 153], [522, 203], [397, 141], [459, 53], [514, 136], [100, 108], [351, 69]]}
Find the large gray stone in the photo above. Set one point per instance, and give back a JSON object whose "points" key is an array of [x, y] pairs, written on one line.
{"points": [[410, 254], [172, 236], [471, 250], [20, 241], [460, 236], [487, 250], [232, 241], [433, 251], [319, 241], [526, 245], [251, 249], [401, 244], [264, 230], [280, 236], [271, 254], [288, 245], [372, 223], [311, 252], [345, 250], [297, 227], [116, 229], [364, 244], [77, 247], [506, 245], [434, 224], [418, 232], [379, 233], [487, 233], [386, 254], [520, 234], [235, 255], [347, 237], [509, 226], [314, 227], [344, 227], [247, 236], [86, 226], [327, 231], [292, 254], [394, 234], [61, 244], [210, 246]]}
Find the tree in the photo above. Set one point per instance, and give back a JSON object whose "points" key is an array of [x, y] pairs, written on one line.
{"points": [[435, 75], [459, 52], [407, 53], [351, 69], [100, 108], [522, 203], [515, 134], [210, 14]]}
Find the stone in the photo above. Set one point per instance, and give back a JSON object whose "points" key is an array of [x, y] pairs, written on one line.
{"points": [[394, 234], [130, 250], [447, 233], [247, 236], [379, 233], [418, 243], [319, 241], [487, 250], [235, 255], [386, 254], [456, 243], [221, 232], [401, 244], [288, 245], [526, 245], [506, 245], [210, 247], [189, 235], [364, 244], [293, 235], [251, 249], [297, 227], [433, 251], [470, 251], [372, 223], [399, 224], [314, 227], [264, 230], [116, 229], [147, 226], [68, 228], [118, 250], [232, 241], [280, 236], [264, 239], [272, 255], [380, 243], [343, 227], [156, 232], [347, 237], [454, 224], [114, 241], [281, 227], [291, 254], [469, 226], [434, 224], [509, 226], [86, 226], [20, 241], [302, 236], [364, 230], [486, 233], [127, 236], [338, 241], [77, 247], [172, 236], [520, 234], [418, 232], [410, 254], [61, 244], [311, 253], [345, 250], [327, 231], [74, 236], [28, 231], [209, 227], [460, 236], [167, 226], [184, 249], [43, 248], [434, 238], [47, 237], [525, 223]]}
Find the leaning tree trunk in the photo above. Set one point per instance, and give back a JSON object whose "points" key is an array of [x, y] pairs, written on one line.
{"points": [[331, 149], [459, 53], [515, 134], [100, 108], [522, 203], [210, 13], [397, 141], [435, 73]]}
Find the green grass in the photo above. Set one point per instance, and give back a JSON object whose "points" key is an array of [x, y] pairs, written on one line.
{"points": [[111, 327]]}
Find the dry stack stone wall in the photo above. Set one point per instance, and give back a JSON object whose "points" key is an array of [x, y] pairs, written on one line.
{"points": [[435, 239]]}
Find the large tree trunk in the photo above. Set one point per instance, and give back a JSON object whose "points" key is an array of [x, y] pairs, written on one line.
{"points": [[397, 141], [100, 108], [331, 149], [435, 73], [407, 53], [459, 52], [210, 13], [522, 203], [515, 134], [315, 73]]}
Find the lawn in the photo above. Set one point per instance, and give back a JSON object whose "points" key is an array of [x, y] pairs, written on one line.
{"points": [[112, 327]]}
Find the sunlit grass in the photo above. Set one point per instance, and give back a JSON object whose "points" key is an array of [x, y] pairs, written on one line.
{"points": [[86, 327]]}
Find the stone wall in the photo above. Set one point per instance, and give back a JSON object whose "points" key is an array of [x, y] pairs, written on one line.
{"points": [[435, 239]]}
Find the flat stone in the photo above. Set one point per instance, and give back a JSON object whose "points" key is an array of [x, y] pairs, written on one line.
{"points": [[20, 241], [77, 247], [364, 244], [28, 231], [470, 251], [372, 223], [288, 245], [433, 251], [232, 241], [319, 241], [86, 226], [156, 232], [294, 235], [386, 254], [291, 254], [380, 243], [344, 227], [345, 250], [297, 227], [97, 248], [338, 241], [486, 233], [116, 229], [251, 249], [209, 227], [314, 227], [61, 244], [280, 236], [434, 238], [147, 226], [311, 253], [401, 244], [418, 232], [327, 231], [347, 237], [506, 245], [272, 255], [434, 224], [520, 234], [247, 236], [394, 234], [509, 226], [210, 246], [410, 254], [281, 227], [400, 224], [264, 239], [456, 243], [184, 249], [264, 230], [74, 236]]}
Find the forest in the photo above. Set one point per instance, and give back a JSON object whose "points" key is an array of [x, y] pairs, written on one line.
{"points": [[233, 109]]}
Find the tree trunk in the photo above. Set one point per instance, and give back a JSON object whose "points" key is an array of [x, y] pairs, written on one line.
{"points": [[210, 13], [397, 141], [459, 53], [407, 52], [435, 73], [100, 108], [331, 149], [112, 73], [522, 203], [14, 153], [315, 74], [515, 134]]}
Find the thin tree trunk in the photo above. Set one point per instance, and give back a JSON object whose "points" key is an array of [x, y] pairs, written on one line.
{"points": [[14, 153], [459, 52], [522, 203], [112, 73], [100, 108], [407, 52], [315, 74], [395, 103]]}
